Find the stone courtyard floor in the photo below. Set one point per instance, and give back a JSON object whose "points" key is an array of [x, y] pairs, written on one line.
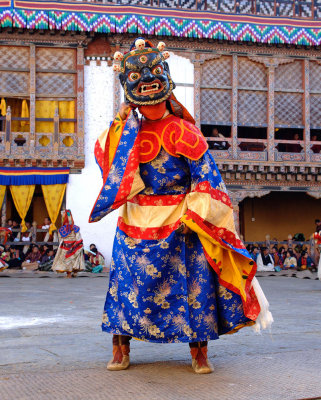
{"points": [[51, 347]]}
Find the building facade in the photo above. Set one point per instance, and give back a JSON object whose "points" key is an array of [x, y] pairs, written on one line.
{"points": [[252, 82]]}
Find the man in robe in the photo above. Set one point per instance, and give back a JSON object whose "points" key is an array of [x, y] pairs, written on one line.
{"points": [[179, 272]]}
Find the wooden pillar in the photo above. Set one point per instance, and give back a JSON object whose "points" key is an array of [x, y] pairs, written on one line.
{"points": [[270, 113], [8, 131], [4, 210], [306, 110], [234, 105], [56, 133], [80, 101], [234, 196], [197, 90], [32, 94]]}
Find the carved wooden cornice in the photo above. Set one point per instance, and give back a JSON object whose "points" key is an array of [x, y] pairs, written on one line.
{"points": [[194, 45], [44, 37], [271, 61]]}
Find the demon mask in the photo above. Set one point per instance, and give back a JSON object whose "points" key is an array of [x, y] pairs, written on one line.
{"points": [[144, 73]]}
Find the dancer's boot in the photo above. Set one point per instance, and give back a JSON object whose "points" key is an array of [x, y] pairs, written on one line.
{"points": [[200, 362], [121, 350]]}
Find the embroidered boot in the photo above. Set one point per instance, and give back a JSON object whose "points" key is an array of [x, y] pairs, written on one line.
{"points": [[200, 362], [121, 350]]}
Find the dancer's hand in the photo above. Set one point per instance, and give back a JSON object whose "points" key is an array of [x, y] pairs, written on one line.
{"points": [[183, 229], [124, 110]]}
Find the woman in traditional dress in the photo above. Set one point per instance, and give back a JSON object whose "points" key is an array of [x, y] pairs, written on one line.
{"points": [[179, 272], [70, 255]]}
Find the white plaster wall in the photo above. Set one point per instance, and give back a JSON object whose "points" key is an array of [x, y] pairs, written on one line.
{"points": [[83, 189], [182, 72]]}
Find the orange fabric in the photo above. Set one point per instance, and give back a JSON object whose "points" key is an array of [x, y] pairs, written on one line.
{"points": [[178, 137], [153, 112]]}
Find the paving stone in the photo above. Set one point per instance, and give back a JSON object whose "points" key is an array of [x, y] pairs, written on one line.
{"points": [[52, 347]]}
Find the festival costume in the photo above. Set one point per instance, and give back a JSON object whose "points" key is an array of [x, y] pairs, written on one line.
{"points": [[70, 256], [167, 286]]}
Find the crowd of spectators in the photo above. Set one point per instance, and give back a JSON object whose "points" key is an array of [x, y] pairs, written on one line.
{"points": [[289, 256], [35, 249]]}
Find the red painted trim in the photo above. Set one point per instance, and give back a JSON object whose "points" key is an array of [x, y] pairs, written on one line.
{"points": [[147, 233], [216, 232], [205, 187], [158, 200]]}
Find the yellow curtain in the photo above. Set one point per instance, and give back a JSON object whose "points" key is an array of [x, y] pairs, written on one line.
{"points": [[53, 195], [2, 193], [19, 108], [67, 111], [24, 112], [3, 107], [46, 109], [22, 196]]}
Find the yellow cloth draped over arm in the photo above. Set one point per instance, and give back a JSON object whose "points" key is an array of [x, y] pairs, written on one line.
{"points": [[22, 196], [53, 195], [114, 133]]}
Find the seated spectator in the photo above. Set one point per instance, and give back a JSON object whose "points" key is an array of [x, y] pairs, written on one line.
{"points": [[265, 260], [46, 225], [26, 237], [3, 258], [46, 260], [96, 261], [254, 253], [290, 261], [43, 249], [217, 145], [16, 258], [14, 234], [305, 262], [294, 147], [32, 260], [9, 223], [316, 148], [276, 257]]}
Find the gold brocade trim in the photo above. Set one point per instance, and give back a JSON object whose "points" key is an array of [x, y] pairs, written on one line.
{"points": [[240, 326], [211, 210], [152, 216]]}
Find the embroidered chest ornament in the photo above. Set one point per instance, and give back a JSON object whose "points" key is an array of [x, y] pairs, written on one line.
{"points": [[144, 73]]}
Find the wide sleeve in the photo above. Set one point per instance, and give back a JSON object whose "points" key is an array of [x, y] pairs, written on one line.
{"points": [[210, 214], [117, 154]]}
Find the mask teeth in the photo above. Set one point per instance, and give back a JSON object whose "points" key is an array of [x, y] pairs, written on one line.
{"points": [[166, 54], [161, 46]]}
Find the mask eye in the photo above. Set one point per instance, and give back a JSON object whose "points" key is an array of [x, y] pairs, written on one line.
{"points": [[133, 76], [158, 70]]}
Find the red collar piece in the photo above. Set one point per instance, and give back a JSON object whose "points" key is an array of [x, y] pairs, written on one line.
{"points": [[175, 135]]}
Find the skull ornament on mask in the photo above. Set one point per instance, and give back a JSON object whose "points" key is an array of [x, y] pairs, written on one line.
{"points": [[145, 75]]}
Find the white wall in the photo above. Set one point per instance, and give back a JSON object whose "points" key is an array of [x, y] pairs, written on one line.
{"points": [[182, 72], [83, 189]]}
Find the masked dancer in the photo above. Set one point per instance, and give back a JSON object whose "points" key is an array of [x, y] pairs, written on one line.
{"points": [[179, 272]]}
